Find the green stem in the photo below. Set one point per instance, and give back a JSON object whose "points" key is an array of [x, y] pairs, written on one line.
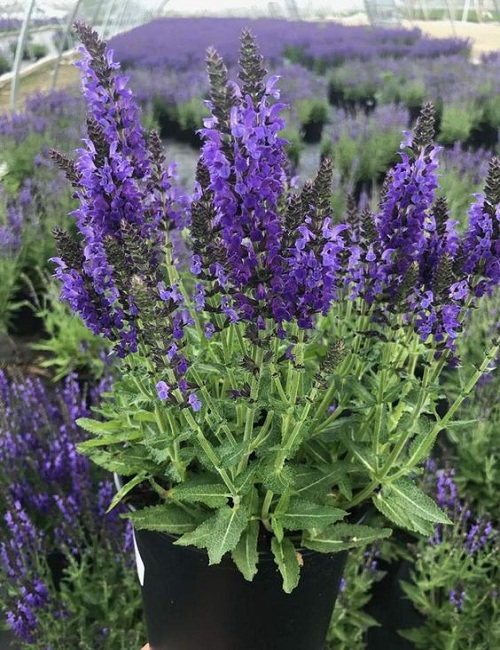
{"points": [[362, 496], [219, 419], [379, 410], [404, 437], [292, 388], [441, 424], [209, 450], [251, 408], [257, 441], [268, 499]]}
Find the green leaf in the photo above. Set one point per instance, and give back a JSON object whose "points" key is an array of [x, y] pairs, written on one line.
{"points": [[104, 429], [125, 462], [245, 554], [277, 480], [230, 454], [416, 501], [403, 503], [466, 425], [166, 517], [341, 537], [331, 432], [363, 452], [97, 427], [144, 416], [394, 393], [362, 393], [212, 494], [320, 481], [126, 489], [287, 560], [393, 513], [218, 534], [302, 514]]}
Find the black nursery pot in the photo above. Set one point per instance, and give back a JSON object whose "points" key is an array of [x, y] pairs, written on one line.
{"points": [[190, 605], [312, 131]]}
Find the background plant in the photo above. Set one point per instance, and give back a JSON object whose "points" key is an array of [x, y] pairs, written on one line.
{"points": [[58, 547], [68, 346], [455, 579]]}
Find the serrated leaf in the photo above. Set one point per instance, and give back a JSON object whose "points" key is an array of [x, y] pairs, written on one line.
{"points": [[98, 427], [218, 534], [331, 432], [287, 560], [109, 433], [277, 405], [415, 501], [277, 480], [211, 368], [414, 511], [345, 487], [320, 481], [125, 462], [363, 452], [245, 554], [302, 514], [212, 494], [392, 511], [340, 537], [362, 393], [395, 393], [245, 481], [421, 443], [166, 517], [230, 454], [462, 424]]}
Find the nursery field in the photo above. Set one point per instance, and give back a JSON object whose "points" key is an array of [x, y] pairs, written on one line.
{"points": [[401, 234]]}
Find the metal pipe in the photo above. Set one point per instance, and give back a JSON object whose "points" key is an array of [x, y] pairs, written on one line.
{"points": [[19, 55], [69, 24], [111, 7]]}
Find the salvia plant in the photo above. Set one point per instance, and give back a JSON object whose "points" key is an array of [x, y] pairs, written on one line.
{"points": [[279, 366], [58, 547], [455, 578], [351, 621], [68, 346]]}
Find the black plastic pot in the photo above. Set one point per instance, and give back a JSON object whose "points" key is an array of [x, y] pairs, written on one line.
{"points": [[190, 605], [392, 609], [24, 321], [312, 131]]}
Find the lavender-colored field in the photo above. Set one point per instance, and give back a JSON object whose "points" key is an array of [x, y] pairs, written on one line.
{"points": [[181, 43]]}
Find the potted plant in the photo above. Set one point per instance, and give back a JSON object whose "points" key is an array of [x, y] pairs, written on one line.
{"points": [[313, 114], [279, 370]]}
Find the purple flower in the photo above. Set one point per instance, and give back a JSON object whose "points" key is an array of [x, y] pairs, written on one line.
{"points": [[194, 402], [163, 390], [481, 246], [478, 535], [457, 598]]}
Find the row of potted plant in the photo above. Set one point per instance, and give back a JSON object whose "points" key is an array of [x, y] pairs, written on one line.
{"points": [[463, 91], [318, 45]]}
